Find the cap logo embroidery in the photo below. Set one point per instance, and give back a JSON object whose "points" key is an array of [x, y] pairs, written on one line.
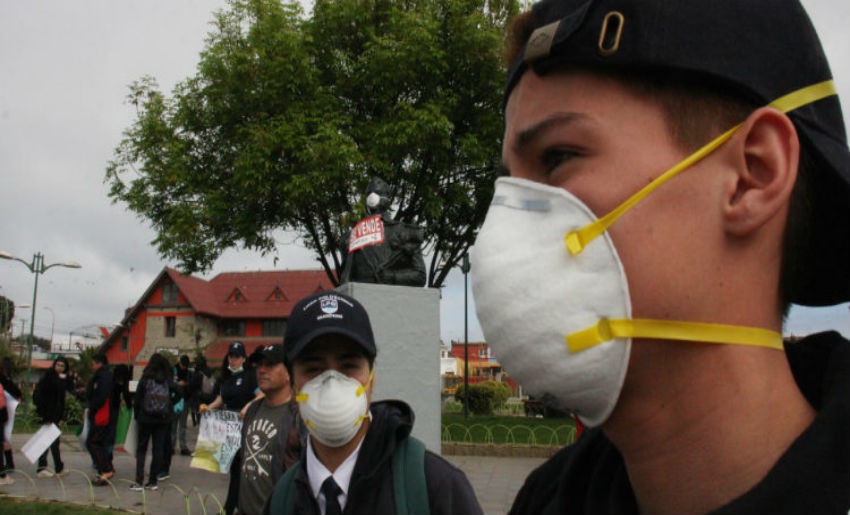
{"points": [[540, 42], [609, 43], [329, 305]]}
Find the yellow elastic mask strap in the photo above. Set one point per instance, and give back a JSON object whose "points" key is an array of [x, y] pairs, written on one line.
{"points": [[576, 241], [362, 389], [606, 330], [301, 397]]}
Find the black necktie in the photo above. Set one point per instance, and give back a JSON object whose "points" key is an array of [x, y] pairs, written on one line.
{"points": [[331, 490]]}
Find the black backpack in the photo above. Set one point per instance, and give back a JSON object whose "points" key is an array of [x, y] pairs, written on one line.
{"points": [[157, 399]]}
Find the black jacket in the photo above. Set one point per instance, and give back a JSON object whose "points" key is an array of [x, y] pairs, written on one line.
{"points": [[813, 476], [99, 390], [371, 487], [49, 398]]}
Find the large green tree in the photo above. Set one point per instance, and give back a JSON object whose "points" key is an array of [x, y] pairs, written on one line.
{"points": [[288, 116]]}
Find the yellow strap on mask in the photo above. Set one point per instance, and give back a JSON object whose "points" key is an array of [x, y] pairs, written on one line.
{"points": [[577, 240], [606, 329]]}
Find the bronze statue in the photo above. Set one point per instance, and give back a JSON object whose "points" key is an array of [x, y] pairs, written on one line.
{"points": [[381, 250]]}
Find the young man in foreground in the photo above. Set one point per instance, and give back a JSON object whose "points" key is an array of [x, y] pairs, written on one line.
{"points": [[348, 464], [651, 303]]}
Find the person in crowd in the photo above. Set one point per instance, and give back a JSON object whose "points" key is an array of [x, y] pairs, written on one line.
{"points": [[354, 444], [272, 435], [153, 408], [202, 387], [11, 387], [182, 376], [120, 393], [236, 387], [99, 396], [678, 175], [49, 401]]}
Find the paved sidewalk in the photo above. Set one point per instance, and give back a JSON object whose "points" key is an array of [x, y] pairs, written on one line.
{"points": [[495, 480]]}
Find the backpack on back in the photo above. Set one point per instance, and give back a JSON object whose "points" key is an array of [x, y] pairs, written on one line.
{"points": [[157, 399]]}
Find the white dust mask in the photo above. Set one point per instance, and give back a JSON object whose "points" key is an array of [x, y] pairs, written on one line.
{"points": [[373, 200], [568, 335], [520, 255], [333, 406]]}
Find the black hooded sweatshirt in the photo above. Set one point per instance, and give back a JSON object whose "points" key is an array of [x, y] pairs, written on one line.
{"points": [[812, 476], [49, 396], [371, 487]]}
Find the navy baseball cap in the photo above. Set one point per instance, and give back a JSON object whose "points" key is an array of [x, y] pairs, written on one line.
{"points": [[236, 349], [273, 353], [324, 313], [760, 50]]}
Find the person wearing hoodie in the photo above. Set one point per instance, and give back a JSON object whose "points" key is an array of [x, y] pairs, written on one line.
{"points": [[12, 388], [49, 400], [347, 466], [101, 430]]}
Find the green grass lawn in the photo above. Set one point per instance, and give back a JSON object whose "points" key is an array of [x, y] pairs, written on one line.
{"points": [[32, 507], [507, 430]]}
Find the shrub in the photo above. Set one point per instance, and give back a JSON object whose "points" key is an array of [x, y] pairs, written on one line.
{"points": [[484, 397]]}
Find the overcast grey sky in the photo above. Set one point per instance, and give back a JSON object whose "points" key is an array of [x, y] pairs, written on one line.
{"points": [[64, 72]]}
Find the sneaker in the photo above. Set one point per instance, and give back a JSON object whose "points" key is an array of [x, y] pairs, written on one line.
{"points": [[44, 473], [63, 472], [136, 487], [99, 481], [151, 486], [162, 476], [7, 480], [185, 452]]}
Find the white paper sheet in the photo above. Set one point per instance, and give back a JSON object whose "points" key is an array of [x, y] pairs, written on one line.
{"points": [[40, 442]]}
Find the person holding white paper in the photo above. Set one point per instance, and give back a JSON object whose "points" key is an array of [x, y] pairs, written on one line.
{"points": [[49, 400]]}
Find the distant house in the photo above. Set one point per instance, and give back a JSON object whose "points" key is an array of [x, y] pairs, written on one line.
{"points": [[182, 314]]}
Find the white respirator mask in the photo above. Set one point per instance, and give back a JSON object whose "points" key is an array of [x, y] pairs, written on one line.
{"points": [[553, 299], [333, 406], [373, 200]]}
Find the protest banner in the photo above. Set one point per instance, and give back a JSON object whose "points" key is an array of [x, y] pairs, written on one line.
{"points": [[219, 437]]}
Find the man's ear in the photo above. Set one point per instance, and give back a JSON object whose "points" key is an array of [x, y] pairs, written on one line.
{"points": [[767, 155]]}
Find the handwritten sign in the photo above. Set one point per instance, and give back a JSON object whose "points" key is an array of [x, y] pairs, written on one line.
{"points": [[219, 437], [369, 231]]}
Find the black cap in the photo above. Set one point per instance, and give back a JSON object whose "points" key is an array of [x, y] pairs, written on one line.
{"points": [[760, 49], [273, 353], [328, 313], [236, 349]]}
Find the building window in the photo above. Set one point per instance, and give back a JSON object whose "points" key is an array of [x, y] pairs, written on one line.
{"points": [[125, 343], [233, 327], [274, 327], [169, 293], [170, 327]]}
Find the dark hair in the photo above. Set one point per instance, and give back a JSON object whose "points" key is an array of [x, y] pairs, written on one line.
{"points": [[99, 357], [184, 360], [158, 367], [696, 109]]}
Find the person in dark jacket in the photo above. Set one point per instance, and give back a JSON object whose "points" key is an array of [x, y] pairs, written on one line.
{"points": [[673, 189], [201, 388], [182, 376], [156, 394], [101, 429], [49, 400], [12, 388], [347, 466], [235, 389]]}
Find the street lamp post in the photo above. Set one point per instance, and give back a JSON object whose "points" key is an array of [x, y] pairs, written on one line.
{"points": [[52, 324], [37, 267], [464, 267]]}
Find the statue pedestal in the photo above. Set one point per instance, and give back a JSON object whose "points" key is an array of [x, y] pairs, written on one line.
{"points": [[406, 323]]}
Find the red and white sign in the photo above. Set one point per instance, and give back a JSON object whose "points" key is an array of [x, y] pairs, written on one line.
{"points": [[369, 231]]}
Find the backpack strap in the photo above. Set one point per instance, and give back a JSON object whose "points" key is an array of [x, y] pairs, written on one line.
{"points": [[409, 488], [282, 500]]}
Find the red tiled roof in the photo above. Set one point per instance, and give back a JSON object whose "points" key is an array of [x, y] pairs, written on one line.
{"points": [[214, 297]]}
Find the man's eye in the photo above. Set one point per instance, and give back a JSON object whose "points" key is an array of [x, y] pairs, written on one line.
{"points": [[554, 157]]}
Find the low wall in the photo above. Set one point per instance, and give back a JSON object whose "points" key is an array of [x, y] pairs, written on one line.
{"points": [[501, 450]]}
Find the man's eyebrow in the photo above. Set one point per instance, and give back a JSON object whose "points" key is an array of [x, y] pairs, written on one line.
{"points": [[526, 136]]}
